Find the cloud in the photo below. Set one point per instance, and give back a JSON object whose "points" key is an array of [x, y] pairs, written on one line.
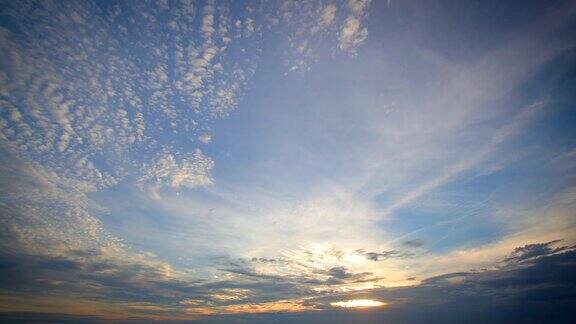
{"points": [[535, 290], [504, 293], [339, 273], [414, 243], [97, 99], [449, 278], [359, 7], [205, 138], [530, 251], [313, 26], [129, 93], [190, 171], [109, 273], [378, 256], [327, 15], [352, 35]]}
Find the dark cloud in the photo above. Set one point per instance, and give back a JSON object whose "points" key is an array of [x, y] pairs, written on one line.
{"points": [[445, 278], [379, 256], [252, 274], [540, 288], [534, 250], [413, 243], [304, 283], [339, 273], [264, 260], [26, 317], [133, 282], [110, 279]]}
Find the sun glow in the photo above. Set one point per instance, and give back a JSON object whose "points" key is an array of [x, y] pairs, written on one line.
{"points": [[358, 303]]}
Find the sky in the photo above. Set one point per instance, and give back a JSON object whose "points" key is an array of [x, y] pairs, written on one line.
{"points": [[285, 161]]}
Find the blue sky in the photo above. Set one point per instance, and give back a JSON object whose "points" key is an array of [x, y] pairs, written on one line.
{"points": [[272, 161]]}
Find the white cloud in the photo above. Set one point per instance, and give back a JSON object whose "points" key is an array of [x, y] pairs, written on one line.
{"points": [[314, 25], [190, 171], [352, 35], [205, 138], [359, 7], [327, 15]]}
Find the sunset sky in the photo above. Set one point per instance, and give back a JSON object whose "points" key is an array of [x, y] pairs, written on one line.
{"points": [[283, 161]]}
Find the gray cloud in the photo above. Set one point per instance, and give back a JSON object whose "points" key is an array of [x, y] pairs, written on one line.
{"points": [[414, 243], [530, 251], [546, 280], [379, 256]]}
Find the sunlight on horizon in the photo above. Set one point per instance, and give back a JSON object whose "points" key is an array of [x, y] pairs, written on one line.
{"points": [[358, 303]]}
